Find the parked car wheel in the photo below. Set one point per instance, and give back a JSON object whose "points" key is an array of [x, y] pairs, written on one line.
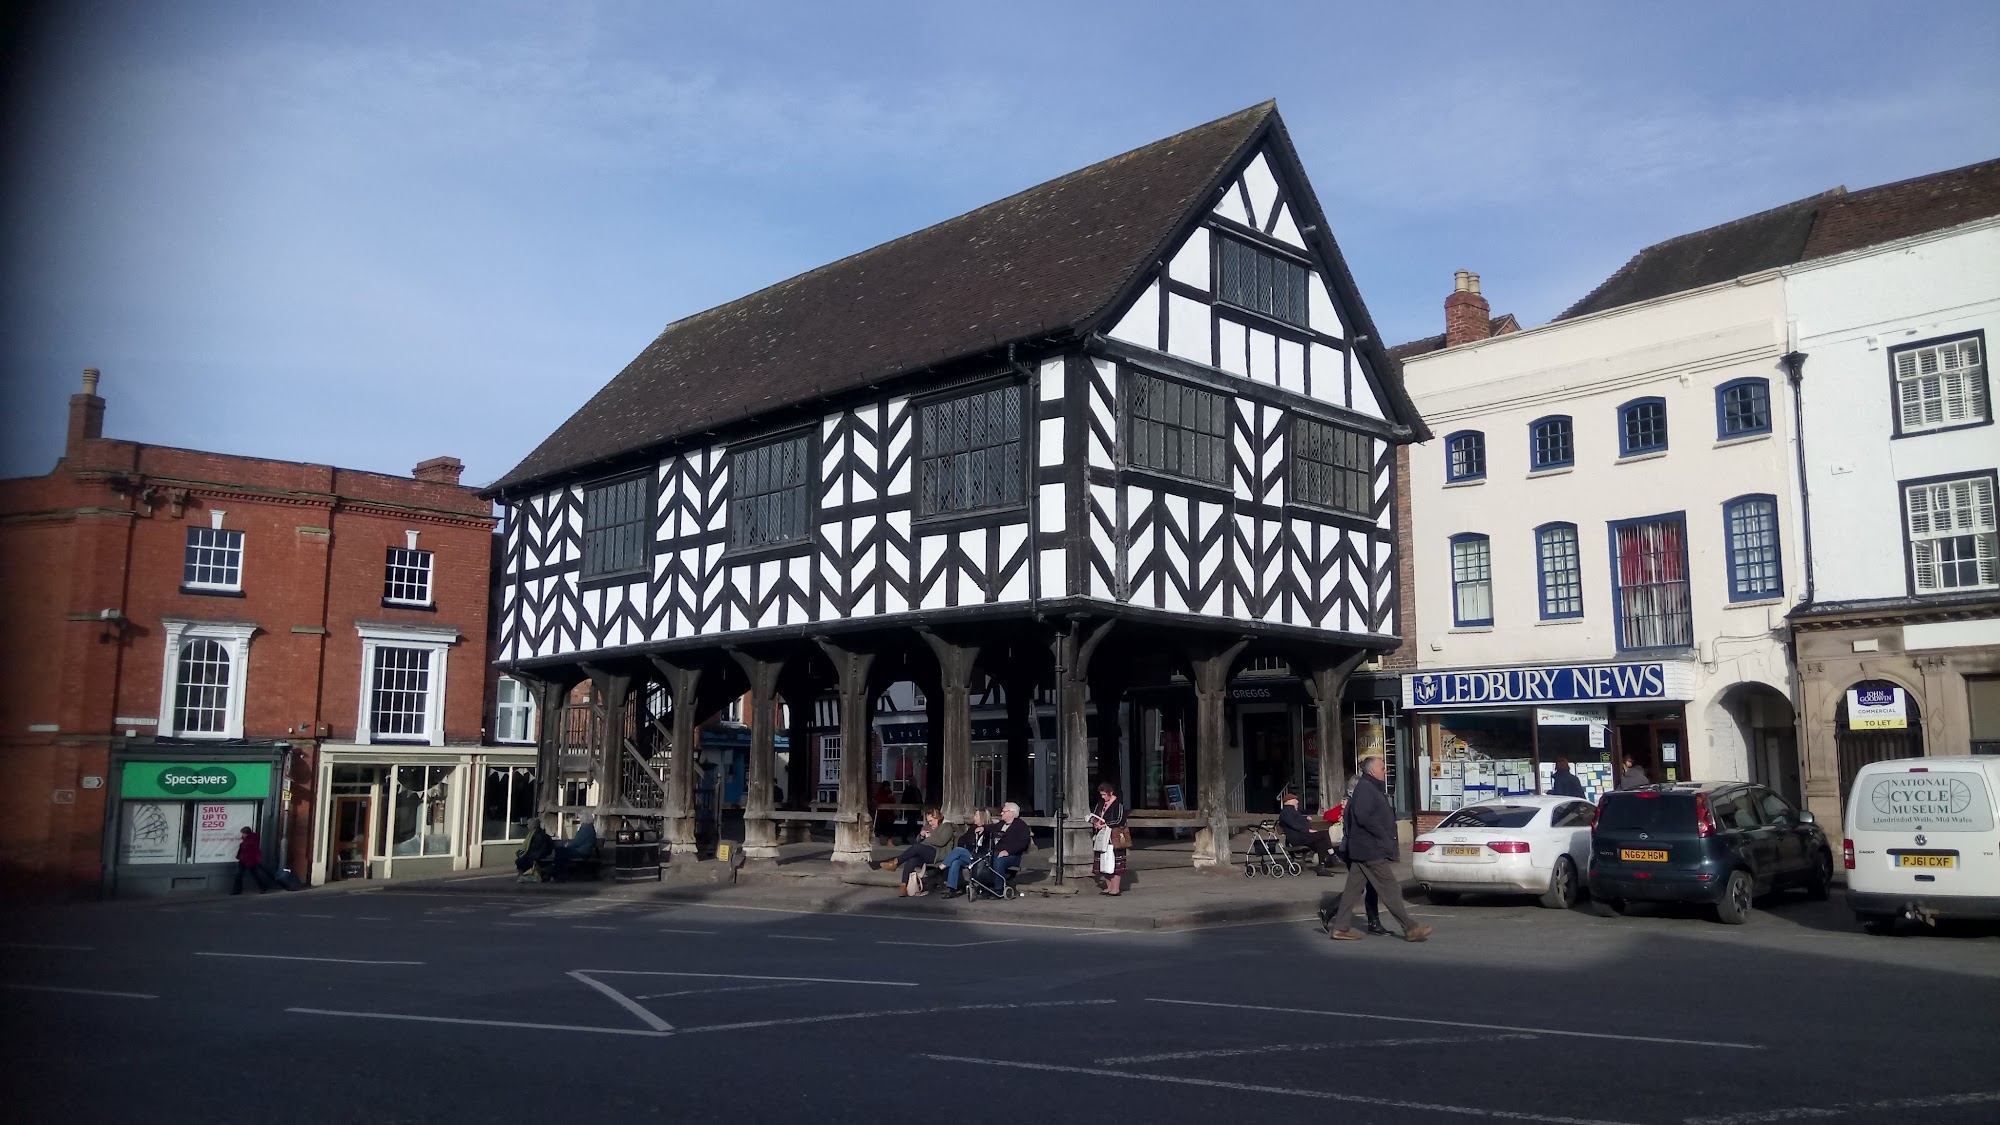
{"points": [[1561, 894], [1442, 898], [1820, 885], [1734, 909]]}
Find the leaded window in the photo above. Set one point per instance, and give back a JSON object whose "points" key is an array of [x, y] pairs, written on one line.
{"points": [[1177, 429], [1332, 467], [1743, 407], [1262, 282], [1651, 584], [1561, 573], [1642, 426], [614, 527], [1752, 526], [770, 493], [971, 452], [1552, 441], [214, 559], [407, 578], [201, 689], [1952, 535], [400, 702], [1940, 385], [1471, 580]]}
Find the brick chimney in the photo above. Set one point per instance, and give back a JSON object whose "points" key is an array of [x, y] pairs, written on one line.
{"points": [[1467, 316], [86, 414], [439, 470]]}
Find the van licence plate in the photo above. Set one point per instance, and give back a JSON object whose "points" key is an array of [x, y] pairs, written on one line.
{"points": [[1908, 859], [1460, 849], [1642, 855]]}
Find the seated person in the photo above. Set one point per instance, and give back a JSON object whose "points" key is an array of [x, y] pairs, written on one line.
{"points": [[581, 846], [971, 846], [909, 866], [537, 849], [1010, 843], [1300, 833]]}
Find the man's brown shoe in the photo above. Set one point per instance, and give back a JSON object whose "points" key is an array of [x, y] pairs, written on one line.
{"points": [[1346, 935], [1418, 934]]}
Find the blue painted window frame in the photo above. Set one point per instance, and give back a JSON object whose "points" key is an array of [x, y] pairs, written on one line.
{"points": [[1477, 440], [1625, 411], [1722, 430], [1535, 461], [1542, 570], [1618, 586], [1456, 582], [1777, 559]]}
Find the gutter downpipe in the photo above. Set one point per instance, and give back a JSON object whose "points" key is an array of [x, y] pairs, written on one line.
{"points": [[1795, 362]]}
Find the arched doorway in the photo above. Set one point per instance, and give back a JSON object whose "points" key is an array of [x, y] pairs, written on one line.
{"points": [[1857, 748], [1752, 731]]}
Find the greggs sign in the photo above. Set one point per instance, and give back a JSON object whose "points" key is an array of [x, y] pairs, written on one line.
{"points": [[1561, 683]]}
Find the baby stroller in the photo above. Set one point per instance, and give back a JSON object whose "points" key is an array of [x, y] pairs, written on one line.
{"points": [[1268, 851], [981, 878]]}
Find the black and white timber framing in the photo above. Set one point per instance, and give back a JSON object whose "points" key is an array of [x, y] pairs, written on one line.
{"points": [[1191, 562]]}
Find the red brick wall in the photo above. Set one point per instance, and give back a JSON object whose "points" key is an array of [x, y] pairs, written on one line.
{"points": [[81, 540], [1405, 655]]}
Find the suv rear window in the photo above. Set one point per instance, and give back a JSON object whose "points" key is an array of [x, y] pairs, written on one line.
{"points": [[1492, 816], [1631, 812], [1933, 801]]}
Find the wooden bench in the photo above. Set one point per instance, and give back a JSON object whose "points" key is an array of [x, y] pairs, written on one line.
{"points": [[584, 866]]}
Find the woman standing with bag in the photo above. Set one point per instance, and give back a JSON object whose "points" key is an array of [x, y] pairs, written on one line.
{"points": [[1109, 840]]}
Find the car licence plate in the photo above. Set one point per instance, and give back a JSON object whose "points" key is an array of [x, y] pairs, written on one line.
{"points": [[1909, 860], [1642, 855], [1460, 849]]}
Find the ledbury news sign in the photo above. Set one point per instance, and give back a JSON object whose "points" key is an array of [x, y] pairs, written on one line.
{"points": [[1555, 683]]}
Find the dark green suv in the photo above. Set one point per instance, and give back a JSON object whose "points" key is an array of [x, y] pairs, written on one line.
{"points": [[1723, 843]]}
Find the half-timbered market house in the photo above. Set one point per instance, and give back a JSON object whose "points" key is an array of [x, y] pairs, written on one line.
{"points": [[1078, 460]]}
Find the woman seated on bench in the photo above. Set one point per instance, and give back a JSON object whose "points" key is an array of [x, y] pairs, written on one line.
{"points": [[910, 865], [970, 846], [581, 846]]}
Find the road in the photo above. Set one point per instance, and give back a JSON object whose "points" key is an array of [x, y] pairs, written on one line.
{"points": [[407, 1005]]}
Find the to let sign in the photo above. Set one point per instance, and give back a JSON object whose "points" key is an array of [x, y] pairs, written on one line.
{"points": [[1562, 683], [1877, 708]]}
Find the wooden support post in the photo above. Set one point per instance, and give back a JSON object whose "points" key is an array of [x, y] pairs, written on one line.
{"points": [[1326, 681], [614, 689], [550, 699], [953, 731], [1211, 690], [854, 830], [1071, 783], [683, 683], [760, 831]]}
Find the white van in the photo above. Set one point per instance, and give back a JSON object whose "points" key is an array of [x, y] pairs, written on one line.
{"points": [[1922, 841]]}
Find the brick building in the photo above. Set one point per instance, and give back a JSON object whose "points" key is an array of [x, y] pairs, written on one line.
{"points": [[197, 641]]}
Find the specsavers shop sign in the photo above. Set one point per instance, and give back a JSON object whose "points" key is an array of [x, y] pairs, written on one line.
{"points": [[1559, 683], [244, 780]]}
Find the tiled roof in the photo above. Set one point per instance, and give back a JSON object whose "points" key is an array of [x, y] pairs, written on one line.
{"points": [[1039, 265], [1909, 207], [1498, 326]]}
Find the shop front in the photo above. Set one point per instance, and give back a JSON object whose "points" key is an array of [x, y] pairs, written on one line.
{"points": [[388, 813], [1486, 733], [180, 811]]}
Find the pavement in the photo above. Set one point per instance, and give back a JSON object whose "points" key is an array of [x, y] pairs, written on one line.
{"points": [[453, 1001]]}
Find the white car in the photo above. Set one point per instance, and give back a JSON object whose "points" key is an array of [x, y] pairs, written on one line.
{"points": [[1513, 845]]}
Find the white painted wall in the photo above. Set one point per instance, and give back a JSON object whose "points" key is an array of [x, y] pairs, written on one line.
{"points": [[1680, 348], [1850, 311]]}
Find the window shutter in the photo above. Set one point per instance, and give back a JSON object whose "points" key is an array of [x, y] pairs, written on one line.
{"points": [[1923, 563], [1917, 500]]}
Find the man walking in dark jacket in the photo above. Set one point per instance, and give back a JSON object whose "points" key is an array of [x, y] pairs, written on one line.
{"points": [[1371, 847], [1565, 783]]}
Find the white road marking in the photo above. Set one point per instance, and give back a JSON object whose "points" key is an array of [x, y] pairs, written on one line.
{"points": [[481, 1023], [1468, 1024], [319, 915], [1248, 1088], [80, 991], [1126, 1060], [796, 937], [951, 944], [895, 917], [709, 933], [593, 927], [43, 945], [743, 976], [283, 957], [633, 1006], [523, 925], [371, 918], [792, 1021], [731, 988], [1846, 1108]]}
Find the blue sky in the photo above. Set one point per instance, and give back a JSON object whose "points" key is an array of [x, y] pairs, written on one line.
{"points": [[371, 233]]}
